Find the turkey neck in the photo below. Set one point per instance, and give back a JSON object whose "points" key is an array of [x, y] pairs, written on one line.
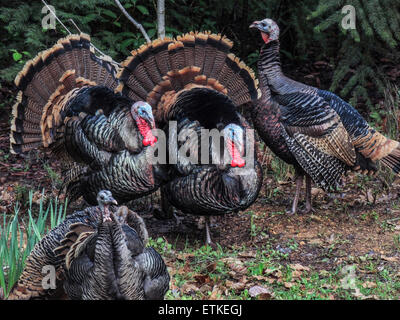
{"points": [[269, 67], [271, 75], [269, 70]]}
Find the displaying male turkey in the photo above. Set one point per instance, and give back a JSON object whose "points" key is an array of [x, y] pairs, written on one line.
{"points": [[105, 242], [313, 129], [193, 83], [67, 106]]}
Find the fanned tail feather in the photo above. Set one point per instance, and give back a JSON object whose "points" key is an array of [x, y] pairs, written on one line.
{"points": [[47, 82], [157, 71], [375, 146]]}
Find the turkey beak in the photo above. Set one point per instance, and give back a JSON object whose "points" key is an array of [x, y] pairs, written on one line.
{"points": [[149, 118], [111, 200], [255, 25]]}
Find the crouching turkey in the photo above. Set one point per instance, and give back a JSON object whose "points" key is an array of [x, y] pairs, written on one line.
{"points": [[194, 84], [313, 129], [67, 106], [99, 253]]}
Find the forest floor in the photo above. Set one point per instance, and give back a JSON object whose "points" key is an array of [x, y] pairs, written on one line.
{"points": [[349, 248]]}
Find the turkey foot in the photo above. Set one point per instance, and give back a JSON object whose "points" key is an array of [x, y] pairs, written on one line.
{"points": [[307, 210], [209, 242]]}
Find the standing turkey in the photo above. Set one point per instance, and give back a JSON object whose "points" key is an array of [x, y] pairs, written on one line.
{"points": [[98, 253], [67, 106], [194, 83], [313, 129]]}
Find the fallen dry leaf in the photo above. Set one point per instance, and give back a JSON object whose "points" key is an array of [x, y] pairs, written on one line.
{"points": [[316, 191], [237, 286], [189, 288], [263, 278], [37, 196], [235, 265], [184, 256], [390, 259], [201, 278], [261, 293], [216, 293], [205, 288], [6, 196], [299, 267], [276, 273], [247, 254], [369, 284]]}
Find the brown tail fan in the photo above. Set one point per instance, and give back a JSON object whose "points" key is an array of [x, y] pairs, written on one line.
{"points": [[158, 70], [45, 84]]}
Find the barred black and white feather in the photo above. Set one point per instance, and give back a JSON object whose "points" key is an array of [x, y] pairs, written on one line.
{"points": [[67, 106]]}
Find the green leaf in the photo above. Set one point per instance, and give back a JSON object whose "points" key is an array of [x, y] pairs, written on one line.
{"points": [[109, 13], [151, 33], [17, 56], [149, 24], [143, 9], [127, 42]]}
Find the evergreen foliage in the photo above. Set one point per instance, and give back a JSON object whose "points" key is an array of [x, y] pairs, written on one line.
{"points": [[359, 51], [307, 27]]}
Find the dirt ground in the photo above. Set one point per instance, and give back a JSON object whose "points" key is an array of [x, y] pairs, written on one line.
{"points": [[361, 221]]}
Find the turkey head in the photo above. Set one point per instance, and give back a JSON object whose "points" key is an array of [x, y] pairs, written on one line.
{"points": [[143, 116], [268, 28]]}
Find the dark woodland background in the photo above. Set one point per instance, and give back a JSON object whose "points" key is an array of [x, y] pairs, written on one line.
{"points": [[361, 65]]}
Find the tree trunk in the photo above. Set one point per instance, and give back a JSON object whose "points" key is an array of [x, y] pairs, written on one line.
{"points": [[161, 18]]}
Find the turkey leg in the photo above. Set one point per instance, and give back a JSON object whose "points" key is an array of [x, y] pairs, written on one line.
{"points": [[299, 184], [208, 234], [309, 207]]}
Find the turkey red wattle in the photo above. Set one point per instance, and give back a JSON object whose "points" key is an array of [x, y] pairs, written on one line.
{"points": [[265, 37], [237, 160], [145, 131]]}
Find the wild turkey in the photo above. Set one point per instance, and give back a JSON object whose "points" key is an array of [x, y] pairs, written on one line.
{"points": [[112, 262], [67, 106], [313, 129], [193, 82], [102, 241]]}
